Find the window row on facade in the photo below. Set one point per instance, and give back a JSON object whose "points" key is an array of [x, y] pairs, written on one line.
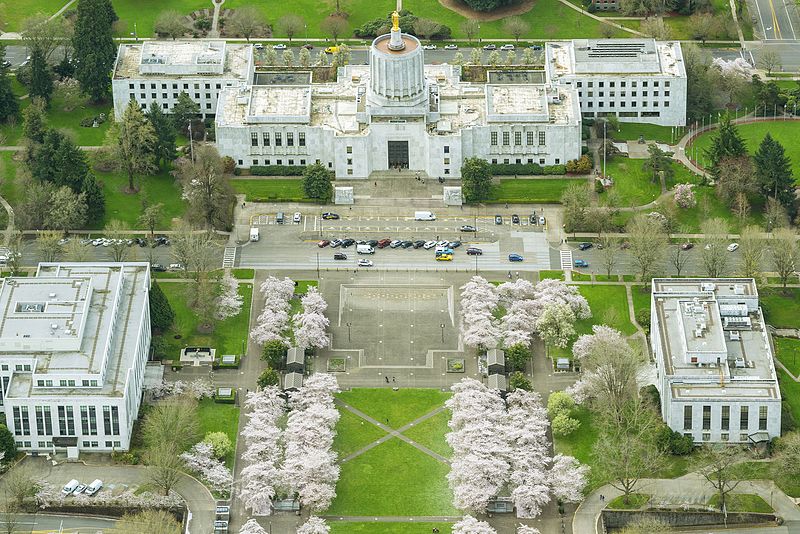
{"points": [[196, 86], [724, 422], [520, 161], [622, 83], [530, 137], [66, 420], [276, 139]]}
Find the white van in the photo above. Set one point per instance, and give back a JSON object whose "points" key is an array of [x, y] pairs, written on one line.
{"points": [[94, 487], [424, 216], [365, 249], [69, 487], [254, 234]]}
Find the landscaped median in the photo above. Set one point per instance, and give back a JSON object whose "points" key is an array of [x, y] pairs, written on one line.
{"points": [[270, 189], [531, 190]]}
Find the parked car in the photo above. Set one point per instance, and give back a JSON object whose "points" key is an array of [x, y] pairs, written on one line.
{"points": [[515, 219], [429, 245], [335, 243], [69, 487], [419, 243], [444, 257], [498, 219], [395, 243], [732, 247], [444, 250], [328, 216], [365, 263], [331, 49], [340, 256], [451, 47], [490, 47], [383, 243], [541, 220], [687, 246], [535, 47], [297, 217], [176, 267], [258, 46], [94, 487], [347, 243], [407, 244], [533, 218], [581, 263], [454, 244], [585, 246], [514, 257], [474, 251], [324, 243], [157, 267], [468, 228], [507, 47], [429, 47], [308, 46], [79, 489], [279, 47], [441, 243]]}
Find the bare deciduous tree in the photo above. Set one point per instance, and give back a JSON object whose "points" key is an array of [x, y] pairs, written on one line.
{"points": [[50, 248], [291, 25], [609, 252], [515, 26], [163, 466], [247, 21], [170, 23], [334, 26], [715, 255], [718, 461], [119, 233], [648, 242], [785, 254], [150, 521], [751, 247], [678, 258], [470, 27], [769, 60], [174, 421]]}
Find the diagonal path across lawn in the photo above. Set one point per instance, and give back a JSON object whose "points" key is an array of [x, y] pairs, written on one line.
{"points": [[392, 433]]}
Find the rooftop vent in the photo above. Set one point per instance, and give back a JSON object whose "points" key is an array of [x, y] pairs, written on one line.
{"points": [[708, 286], [736, 323], [738, 289], [740, 363], [735, 335]]}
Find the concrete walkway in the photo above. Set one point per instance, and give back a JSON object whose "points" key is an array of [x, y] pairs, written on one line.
{"points": [[392, 433], [689, 489], [215, 21]]}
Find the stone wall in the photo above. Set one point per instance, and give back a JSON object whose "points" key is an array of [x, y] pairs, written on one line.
{"points": [[614, 520]]}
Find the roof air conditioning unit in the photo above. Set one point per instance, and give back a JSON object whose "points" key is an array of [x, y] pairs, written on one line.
{"points": [[708, 286]]}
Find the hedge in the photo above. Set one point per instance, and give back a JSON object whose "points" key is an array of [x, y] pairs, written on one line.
{"points": [[277, 170], [509, 169]]}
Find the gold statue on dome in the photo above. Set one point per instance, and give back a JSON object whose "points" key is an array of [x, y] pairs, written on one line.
{"points": [[395, 21]]}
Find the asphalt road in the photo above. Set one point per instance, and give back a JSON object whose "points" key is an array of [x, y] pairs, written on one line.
{"points": [[58, 523], [775, 19]]}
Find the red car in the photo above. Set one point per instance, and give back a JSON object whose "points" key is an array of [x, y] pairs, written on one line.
{"points": [[324, 243], [383, 243]]}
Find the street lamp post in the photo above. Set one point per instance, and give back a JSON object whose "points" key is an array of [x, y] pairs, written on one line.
{"points": [[348, 331], [317, 264], [442, 326]]}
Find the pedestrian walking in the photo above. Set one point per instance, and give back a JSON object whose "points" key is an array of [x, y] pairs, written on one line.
{"points": [[393, 380], [386, 378], [602, 498]]}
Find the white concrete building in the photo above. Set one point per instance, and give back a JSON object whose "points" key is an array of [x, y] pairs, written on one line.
{"points": [[638, 80], [714, 361], [74, 342], [398, 112], [158, 71]]}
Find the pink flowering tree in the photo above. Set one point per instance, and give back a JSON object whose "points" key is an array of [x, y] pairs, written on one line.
{"points": [[274, 320], [478, 326], [684, 196], [527, 433], [480, 468], [314, 525], [202, 460], [229, 302], [252, 527], [310, 324], [551, 290], [525, 529], [567, 478], [470, 525], [262, 476], [556, 324]]}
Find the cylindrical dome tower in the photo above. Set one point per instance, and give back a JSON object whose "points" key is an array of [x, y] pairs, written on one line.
{"points": [[397, 70]]}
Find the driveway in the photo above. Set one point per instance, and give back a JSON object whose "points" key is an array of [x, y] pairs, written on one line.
{"points": [[198, 499]]}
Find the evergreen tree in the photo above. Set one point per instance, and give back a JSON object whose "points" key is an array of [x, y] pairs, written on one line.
{"points": [[317, 182], [274, 353], [726, 144], [34, 123], [165, 134], [95, 198], [184, 110], [94, 46], [134, 141], [41, 77], [269, 377], [476, 179], [161, 314], [9, 107], [7, 444], [774, 171]]}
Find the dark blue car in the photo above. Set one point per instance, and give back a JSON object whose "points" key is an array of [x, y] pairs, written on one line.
{"points": [[514, 257]]}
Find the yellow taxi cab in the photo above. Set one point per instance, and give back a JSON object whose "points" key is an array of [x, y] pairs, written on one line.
{"points": [[444, 257], [331, 49]]}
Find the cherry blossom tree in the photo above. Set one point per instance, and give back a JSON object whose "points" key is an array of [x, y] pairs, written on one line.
{"points": [[556, 324], [684, 196], [310, 468], [552, 290], [229, 302], [314, 525], [262, 477], [311, 323], [567, 478], [478, 326], [273, 321], [470, 525], [252, 527], [525, 529], [480, 468], [527, 433], [509, 292], [202, 460]]}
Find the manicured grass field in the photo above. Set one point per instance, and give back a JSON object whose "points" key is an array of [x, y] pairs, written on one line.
{"points": [[630, 131], [8, 174], [243, 274], [393, 479], [228, 335], [709, 206], [781, 309], [352, 433], [790, 391], [635, 501], [15, 12], [558, 275], [579, 444], [272, 189], [347, 527], [641, 298], [431, 432], [785, 132], [216, 417], [634, 186], [609, 305], [399, 407], [765, 471], [788, 352], [127, 207], [743, 502], [546, 190], [143, 14]]}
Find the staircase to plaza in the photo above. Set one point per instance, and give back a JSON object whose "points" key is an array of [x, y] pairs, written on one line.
{"points": [[393, 188]]}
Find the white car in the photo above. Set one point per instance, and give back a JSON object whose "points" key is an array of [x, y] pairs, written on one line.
{"points": [[297, 217], [79, 489], [279, 47], [429, 47], [732, 247], [258, 46], [507, 47], [429, 245], [451, 47], [176, 267], [541, 219], [365, 263], [442, 243]]}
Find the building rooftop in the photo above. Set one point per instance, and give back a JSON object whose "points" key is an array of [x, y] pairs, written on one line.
{"points": [[182, 59], [614, 56], [73, 320], [713, 338]]}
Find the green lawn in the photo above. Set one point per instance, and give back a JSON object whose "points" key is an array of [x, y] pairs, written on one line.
{"points": [[216, 417], [547, 19], [127, 207], [630, 131], [764, 471], [143, 13], [785, 132], [634, 186], [635, 501], [399, 407], [8, 174], [15, 12], [743, 502], [545, 190], [348, 527], [609, 305], [790, 391], [781, 309], [243, 274], [228, 335], [352, 433], [710, 207], [788, 350], [579, 444], [431, 432], [558, 275], [271, 189], [393, 479], [641, 298]]}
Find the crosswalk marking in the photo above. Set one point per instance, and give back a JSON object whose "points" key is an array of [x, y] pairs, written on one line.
{"points": [[566, 259], [229, 257]]}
